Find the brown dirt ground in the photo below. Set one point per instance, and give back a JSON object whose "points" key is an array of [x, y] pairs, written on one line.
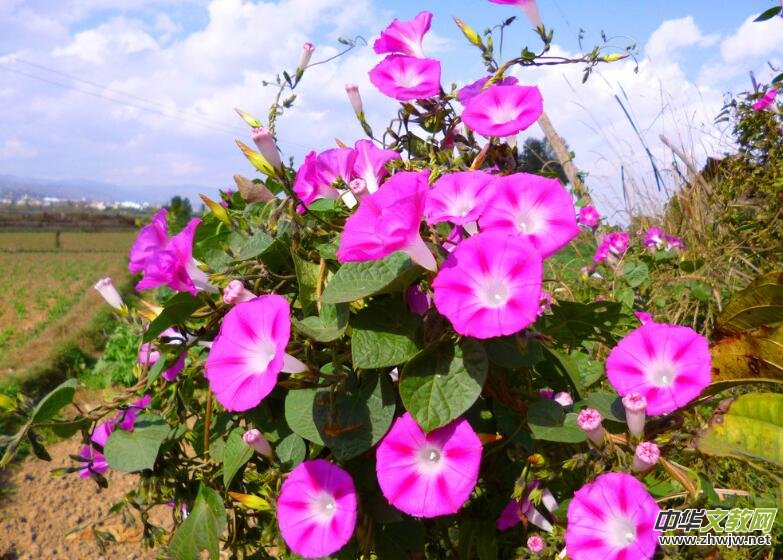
{"points": [[42, 516]]}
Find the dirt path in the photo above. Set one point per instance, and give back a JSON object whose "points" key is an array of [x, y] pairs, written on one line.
{"points": [[37, 510]]}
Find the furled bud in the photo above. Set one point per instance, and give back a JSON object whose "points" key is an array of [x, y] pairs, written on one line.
{"points": [[356, 100], [236, 292], [635, 411], [589, 420], [257, 441], [107, 290], [267, 146], [645, 457], [548, 500], [614, 57], [307, 53], [536, 517], [469, 33], [418, 301]]}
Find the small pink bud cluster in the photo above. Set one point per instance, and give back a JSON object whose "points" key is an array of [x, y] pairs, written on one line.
{"points": [[536, 544], [590, 420], [645, 457]]}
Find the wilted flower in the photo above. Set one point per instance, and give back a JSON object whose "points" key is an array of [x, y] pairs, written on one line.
{"points": [[307, 53], [536, 544], [589, 419], [404, 37], [589, 216], [516, 509], [257, 441], [458, 197], [503, 110], [612, 518], [766, 101], [388, 221], [645, 456], [265, 143], [369, 163], [528, 6], [471, 90], [249, 352], [406, 78], [669, 365], [546, 393], [108, 292], [316, 509], [535, 207], [563, 399], [488, 293], [355, 98], [95, 463], [236, 292], [635, 412], [418, 301], [427, 475]]}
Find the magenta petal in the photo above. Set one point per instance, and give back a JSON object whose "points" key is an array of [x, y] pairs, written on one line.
{"points": [[248, 353], [427, 475], [316, 510], [335, 164], [536, 207], [171, 373], [387, 220], [669, 365], [404, 37], [370, 163], [510, 516], [490, 293], [612, 517], [406, 78], [470, 91], [766, 101], [458, 197], [310, 183], [503, 110], [151, 239]]}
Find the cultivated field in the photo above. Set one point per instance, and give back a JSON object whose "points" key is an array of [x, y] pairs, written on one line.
{"points": [[46, 293]]}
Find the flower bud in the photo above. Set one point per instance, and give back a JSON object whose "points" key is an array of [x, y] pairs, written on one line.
{"points": [[353, 96], [257, 441], [107, 290], [536, 544], [635, 411], [563, 399], [589, 420], [418, 301], [307, 53], [645, 457], [536, 517], [546, 393], [266, 145], [548, 500], [236, 292], [614, 57]]}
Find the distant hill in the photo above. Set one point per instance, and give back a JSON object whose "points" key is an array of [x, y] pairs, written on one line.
{"points": [[73, 189]]}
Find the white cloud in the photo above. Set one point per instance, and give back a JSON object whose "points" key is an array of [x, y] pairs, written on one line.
{"points": [[115, 38], [673, 35], [13, 148]]}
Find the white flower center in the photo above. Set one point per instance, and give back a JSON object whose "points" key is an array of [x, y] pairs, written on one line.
{"points": [[261, 357], [323, 507], [495, 293], [461, 207], [662, 374], [505, 113], [408, 79], [528, 222], [430, 459], [620, 532]]}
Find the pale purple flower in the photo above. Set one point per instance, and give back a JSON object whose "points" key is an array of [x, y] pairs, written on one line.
{"points": [[265, 142], [563, 399], [418, 302], [355, 98], [106, 288], [307, 53]]}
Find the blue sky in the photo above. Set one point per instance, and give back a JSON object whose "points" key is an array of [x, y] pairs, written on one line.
{"points": [[176, 68]]}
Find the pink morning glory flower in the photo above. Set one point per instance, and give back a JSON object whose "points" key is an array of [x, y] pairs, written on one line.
{"points": [[673, 242], [766, 101], [307, 53], [175, 267], [406, 78], [653, 238], [370, 163], [563, 399], [471, 90], [309, 184], [503, 110], [336, 163], [427, 475], [667, 364], [487, 293], [404, 37], [589, 216], [645, 456], [316, 510], [612, 518], [536, 544], [528, 6], [613, 245], [388, 221], [126, 417], [95, 463], [151, 239], [458, 197], [249, 352], [535, 207]]}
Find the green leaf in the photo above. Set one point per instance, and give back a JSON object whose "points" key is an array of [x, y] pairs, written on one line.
{"points": [[758, 353], [306, 278], [769, 14], [356, 280], [761, 303], [137, 450], [202, 529], [625, 296], [291, 451], [513, 353], [51, 404], [563, 365], [548, 421], [572, 323], [350, 424], [384, 334], [608, 404], [329, 325], [751, 428], [177, 309], [235, 454], [442, 381], [635, 273], [246, 247], [700, 290]]}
